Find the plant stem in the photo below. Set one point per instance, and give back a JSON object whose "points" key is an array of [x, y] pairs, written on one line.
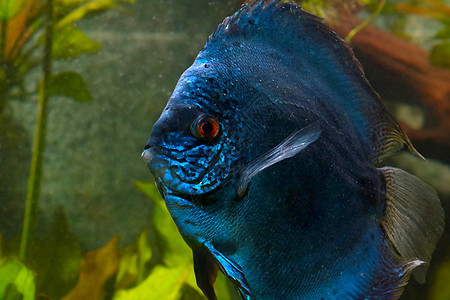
{"points": [[366, 23], [34, 180], [3, 83], [3, 40]]}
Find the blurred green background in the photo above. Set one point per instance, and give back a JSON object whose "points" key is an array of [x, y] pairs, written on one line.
{"points": [[93, 149], [92, 162]]}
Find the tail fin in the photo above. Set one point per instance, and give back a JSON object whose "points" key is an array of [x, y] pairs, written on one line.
{"points": [[414, 218]]}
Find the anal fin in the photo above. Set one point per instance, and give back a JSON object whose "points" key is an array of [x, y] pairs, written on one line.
{"points": [[414, 218], [391, 277]]}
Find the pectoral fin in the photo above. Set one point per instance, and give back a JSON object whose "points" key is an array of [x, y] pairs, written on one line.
{"points": [[414, 218], [289, 147]]}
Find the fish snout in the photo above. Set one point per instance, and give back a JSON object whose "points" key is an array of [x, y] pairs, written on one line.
{"points": [[149, 151], [147, 155], [154, 161], [150, 148]]}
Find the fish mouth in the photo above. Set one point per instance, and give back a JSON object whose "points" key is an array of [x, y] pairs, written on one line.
{"points": [[176, 200], [169, 172], [165, 191], [147, 155]]}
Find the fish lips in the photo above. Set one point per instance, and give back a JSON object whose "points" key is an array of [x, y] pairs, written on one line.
{"points": [[163, 173], [156, 164], [150, 155]]}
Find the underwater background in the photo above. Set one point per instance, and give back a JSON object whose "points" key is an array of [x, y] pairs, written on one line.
{"points": [[98, 229]]}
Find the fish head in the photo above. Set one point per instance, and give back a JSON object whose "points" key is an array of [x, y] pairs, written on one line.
{"points": [[195, 147], [191, 148]]}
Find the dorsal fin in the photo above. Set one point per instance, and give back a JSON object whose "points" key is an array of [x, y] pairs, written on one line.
{"points": [[387, 135]]}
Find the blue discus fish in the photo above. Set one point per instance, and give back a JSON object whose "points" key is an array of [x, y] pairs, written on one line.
{"points": [[266, 157]]}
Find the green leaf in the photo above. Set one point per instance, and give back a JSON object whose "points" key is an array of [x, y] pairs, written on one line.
{"points": [[134, 262], [16, 280], [1, 246], [70, 84], [69, 42], [189, 293], [128, 269], [85, 9], [440, 55], [144, 252], [176, 254], [444, 33], [224, 288], [177, 251], [163, 283], [71, 2], [148, 189], [440, 290], [10, 8], [56, 256]]}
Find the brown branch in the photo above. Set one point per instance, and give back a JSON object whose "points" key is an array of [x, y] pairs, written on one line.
{"points": [[407, 64]]}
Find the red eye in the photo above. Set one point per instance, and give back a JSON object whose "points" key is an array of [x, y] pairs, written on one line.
{"points": [[205, 127]]}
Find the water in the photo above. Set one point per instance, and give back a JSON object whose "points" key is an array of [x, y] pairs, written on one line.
{"points": [[92, 156]]}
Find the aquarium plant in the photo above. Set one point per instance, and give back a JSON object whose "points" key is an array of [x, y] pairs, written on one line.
{"points": [[34, 36]]}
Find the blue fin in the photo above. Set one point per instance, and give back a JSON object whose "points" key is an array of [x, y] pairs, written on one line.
{"points": [[231, 270]]}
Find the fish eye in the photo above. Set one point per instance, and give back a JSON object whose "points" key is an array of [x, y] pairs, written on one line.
{"points": [[205, 127]]}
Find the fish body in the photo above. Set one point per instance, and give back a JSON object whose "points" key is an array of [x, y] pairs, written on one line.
{"points": [[265, 155]]}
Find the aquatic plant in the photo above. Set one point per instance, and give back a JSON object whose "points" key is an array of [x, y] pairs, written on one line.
{"points": [[423, 73], [135, 273], [35, 33], [433, 9], [127, 274], [171, 276]]}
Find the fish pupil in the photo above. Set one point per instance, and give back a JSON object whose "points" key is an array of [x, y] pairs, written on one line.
{"points": [[207, 127]]}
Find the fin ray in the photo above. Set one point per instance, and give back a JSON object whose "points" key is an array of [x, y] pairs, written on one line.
{"points": [[388, 136], [393, 279], [289, 147], [231, 270], [414, 218]]}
